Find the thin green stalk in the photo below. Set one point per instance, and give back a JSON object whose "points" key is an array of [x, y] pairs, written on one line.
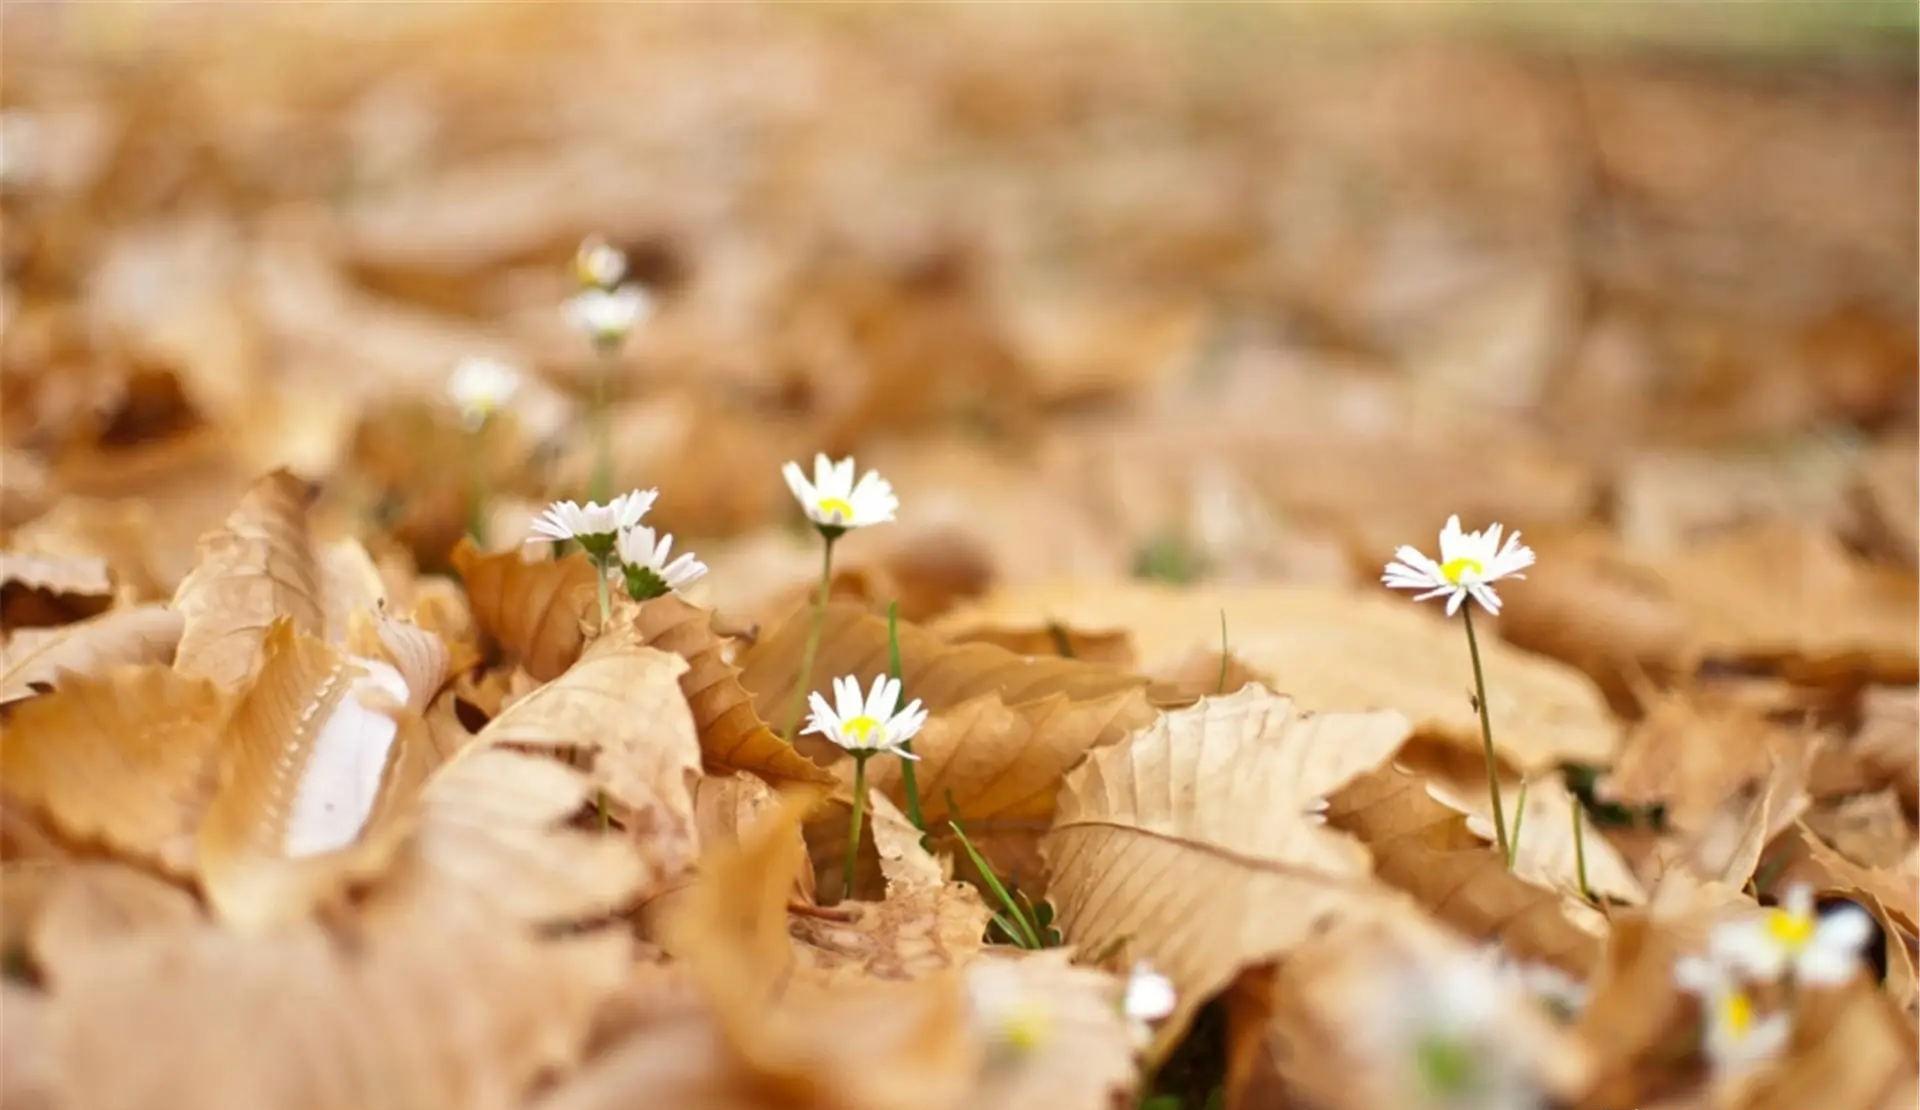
{"points": [[1486, 736], [853, 827], [1220, 687], [1519, 818], [601, 488], [909, 778], [600, 584], [477, 490], [1580, 852], [1029, 937], [805, 682]]}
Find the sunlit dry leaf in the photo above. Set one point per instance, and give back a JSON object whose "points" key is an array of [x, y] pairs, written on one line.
{"points": [[941, 674], [125, 758], [996, 769], [533, 610], [1851, 1049], [302, 766], [1869, 829], [260, 566], [733, 734], [1102, 645], [927, 921], [75, 575], [1334, 649], [87, 908], [1424, 847], [1212, 805], [490, 829], [35, 659], [1785, 595], [621, 708], [145, 559], [433, 1011]]}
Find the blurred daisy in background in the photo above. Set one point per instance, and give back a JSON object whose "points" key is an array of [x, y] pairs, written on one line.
{"points": [[608, 316], [1736, 1036], [598, 264], [1792, 938], [481, 387]]}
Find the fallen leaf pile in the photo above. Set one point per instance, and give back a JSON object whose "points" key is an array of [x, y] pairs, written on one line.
{"points": [[321, 786]]}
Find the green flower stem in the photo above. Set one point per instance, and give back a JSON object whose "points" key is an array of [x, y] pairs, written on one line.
{"points": [[1519, 818], [1580, 850], [1486, 737], [909, 779], [853, 826], [601, 487], [600, 586], [799, 698], [477, 491]]}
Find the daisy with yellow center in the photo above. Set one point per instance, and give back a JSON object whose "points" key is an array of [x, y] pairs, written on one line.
{"points": [[1736, 1037], [1011, 1018], [1470, 562], [834, 502], [865, 727], [1792, 939], [595, 527]]}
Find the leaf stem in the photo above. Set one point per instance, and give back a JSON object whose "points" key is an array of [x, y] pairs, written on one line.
{"points": [[805, 679], [1486, 736], [853, 825], [909, 777]]}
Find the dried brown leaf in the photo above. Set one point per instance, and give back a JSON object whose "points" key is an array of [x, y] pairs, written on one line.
{"points": [[125, 758], [1424, 847], [1336, 649], [533, 610], [621, 708], [35, 659], [438, 1011], [733, 734], [1211, 806]]}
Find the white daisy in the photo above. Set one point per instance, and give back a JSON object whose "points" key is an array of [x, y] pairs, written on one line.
{"points": [[593, 525], [1009, 1016], [1441, 1035], [1470, 563], [644, 562], [1736, 1037], [834, 502], [598, 264], [608, 315], [1818, 949], [869, 724], [482, 387]]}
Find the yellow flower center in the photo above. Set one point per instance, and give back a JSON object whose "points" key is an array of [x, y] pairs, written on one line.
{"points": [[1736, 1013], [861, 729], [1027, 1026], [837, 507], [1454, 568], [1791, 930]]}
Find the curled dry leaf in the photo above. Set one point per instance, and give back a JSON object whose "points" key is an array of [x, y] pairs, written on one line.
{"points": [[303, 765], [35, 659], [83, 909], [996, 769], [733, 734], [490, 829], [941, 674], [621, 707], [1424, 847], [263, 565], [1336, 649], [926, 923], [1213, 805], [125, 758], [299, 1019], [533, 610]]}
